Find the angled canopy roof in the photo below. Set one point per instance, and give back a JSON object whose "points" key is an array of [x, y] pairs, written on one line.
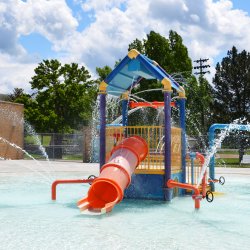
{"points": [[132, 69]]}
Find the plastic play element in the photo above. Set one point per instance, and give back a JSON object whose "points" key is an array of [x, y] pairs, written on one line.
{"points": [[55, 183], [197, 196], [131, 70], [221, 180], [107, 190], [127, 74], [201, 158], [91, 177], [153, 104], [209, 196]]}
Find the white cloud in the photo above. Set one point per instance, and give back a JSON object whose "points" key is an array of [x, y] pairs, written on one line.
{"points": [[14, 74], [102, 5], [209, 28], [52, 19]]}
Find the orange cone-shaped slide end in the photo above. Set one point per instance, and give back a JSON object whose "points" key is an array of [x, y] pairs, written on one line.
{"points": [[107, 190], [102, 196]]}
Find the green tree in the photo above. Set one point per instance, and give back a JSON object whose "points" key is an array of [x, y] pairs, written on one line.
{"points": [[231, 91], [173, 56], [17, 92], [62, 100], [64, 96], [103, 73], [199, 101], [170, 53]]}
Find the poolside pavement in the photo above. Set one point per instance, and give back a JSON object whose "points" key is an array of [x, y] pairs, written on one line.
{"points": [[24, 167]]}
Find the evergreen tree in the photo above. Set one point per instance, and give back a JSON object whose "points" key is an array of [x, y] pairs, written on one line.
{"points": [[231, 92], [17, 92]]}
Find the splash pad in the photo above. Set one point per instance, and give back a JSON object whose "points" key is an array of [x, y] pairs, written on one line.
{"points": [[165, 170]]}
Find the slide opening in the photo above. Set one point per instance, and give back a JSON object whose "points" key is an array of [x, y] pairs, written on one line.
{"points": [[101, 193]]}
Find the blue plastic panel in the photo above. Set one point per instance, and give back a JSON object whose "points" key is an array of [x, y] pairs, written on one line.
{"points": [[129, 71]]}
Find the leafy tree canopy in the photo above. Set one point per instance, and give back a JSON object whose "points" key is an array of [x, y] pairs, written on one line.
{"points": [[103, 72], [63, 97], [170, 53], [199, 101]]}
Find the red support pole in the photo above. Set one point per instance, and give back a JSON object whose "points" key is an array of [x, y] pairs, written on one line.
{"points": [[55, 183], [201, 158], [197, 197]]}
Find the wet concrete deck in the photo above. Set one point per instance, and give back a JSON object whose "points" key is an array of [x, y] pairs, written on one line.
{"points": [[25, 167]]}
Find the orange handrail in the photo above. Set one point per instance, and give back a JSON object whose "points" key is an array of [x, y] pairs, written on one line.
{"points": [[197, 197], [55, 183]]}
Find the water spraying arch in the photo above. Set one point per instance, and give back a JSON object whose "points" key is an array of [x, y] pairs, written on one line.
{"points": [[211, 138]]}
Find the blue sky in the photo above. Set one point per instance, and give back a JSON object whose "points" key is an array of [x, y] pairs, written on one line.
{"points": [[242, 4], [95, 33]]}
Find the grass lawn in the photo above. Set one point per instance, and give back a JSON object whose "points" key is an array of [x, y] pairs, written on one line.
{"points": [[45, 139], [64, 157], [230, 162], [72, 157]]}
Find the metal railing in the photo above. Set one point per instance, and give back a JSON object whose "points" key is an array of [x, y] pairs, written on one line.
{"points": [[193, 170], [154, 136]]}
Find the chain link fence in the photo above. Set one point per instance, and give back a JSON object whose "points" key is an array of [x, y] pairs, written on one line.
{"points": [[76, 146]]}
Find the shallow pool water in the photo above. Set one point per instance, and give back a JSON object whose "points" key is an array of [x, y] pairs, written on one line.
{"points": [[30, 220]]}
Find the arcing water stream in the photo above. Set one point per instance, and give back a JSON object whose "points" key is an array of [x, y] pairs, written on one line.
{"points": [[234, 126], [30, 156]]}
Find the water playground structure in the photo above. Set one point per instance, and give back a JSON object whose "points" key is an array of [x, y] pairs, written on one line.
{"points": [[144, 162]]}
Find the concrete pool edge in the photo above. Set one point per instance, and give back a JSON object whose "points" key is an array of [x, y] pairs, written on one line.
{"points": [[22, 167]]}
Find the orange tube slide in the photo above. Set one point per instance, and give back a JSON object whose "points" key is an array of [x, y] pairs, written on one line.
{"points": [[108, 189]]}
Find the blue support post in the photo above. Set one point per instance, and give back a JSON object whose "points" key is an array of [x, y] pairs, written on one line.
{"points": [[124, 112], [102, 96], [182, 104], [167, 140], [125, 109], [125, 97]]}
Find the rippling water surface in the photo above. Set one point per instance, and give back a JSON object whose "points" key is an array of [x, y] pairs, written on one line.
{"points": [[30, 220]]}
